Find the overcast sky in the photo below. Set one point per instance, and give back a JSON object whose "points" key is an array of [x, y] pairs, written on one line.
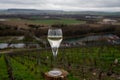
{"points": [[69, 5]]}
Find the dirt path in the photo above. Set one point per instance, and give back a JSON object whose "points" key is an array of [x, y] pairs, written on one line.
{"points": [[18, 50], [5, 52]]}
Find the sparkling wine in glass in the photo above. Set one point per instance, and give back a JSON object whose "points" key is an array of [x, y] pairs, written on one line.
{"points": [[55, 38]]}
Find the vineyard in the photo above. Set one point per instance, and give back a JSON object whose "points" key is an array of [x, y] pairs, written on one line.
{"points": [[83, 63]]}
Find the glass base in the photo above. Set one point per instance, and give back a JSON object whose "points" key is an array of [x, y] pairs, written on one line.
{"points": [[55, 72]]}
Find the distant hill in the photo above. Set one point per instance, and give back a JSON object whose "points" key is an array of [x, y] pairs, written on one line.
{"points": [[94, 12], [35, 11], [30, 11]]}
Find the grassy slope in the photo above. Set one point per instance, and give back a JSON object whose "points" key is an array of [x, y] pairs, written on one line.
{"points": [[81, 63]]}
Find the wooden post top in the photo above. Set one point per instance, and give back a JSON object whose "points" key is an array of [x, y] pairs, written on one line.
{"points": [[63, 76]]}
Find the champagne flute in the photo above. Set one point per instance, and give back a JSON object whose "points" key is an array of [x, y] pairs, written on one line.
{"points": [[55, 38]]}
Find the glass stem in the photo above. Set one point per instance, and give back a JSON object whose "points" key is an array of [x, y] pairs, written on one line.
{"points": [[54, 62], [54, 50]]}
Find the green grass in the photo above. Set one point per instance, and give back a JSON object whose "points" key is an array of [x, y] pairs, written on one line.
{"points": [[3, 69], [52, 21], [20, 71]]}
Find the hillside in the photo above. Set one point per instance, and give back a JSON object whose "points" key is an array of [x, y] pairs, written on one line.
{"points": [[35, 12]]}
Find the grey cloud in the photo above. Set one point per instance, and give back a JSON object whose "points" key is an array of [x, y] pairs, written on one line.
{"points": [[63, 4], [25, 2], [90, 3]]}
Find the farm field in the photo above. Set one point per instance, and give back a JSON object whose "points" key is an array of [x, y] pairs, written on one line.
{"points": [[52, 21], [88, 63]]}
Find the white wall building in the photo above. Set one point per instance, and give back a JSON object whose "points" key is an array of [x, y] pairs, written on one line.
{"points": [[109, 21]]}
